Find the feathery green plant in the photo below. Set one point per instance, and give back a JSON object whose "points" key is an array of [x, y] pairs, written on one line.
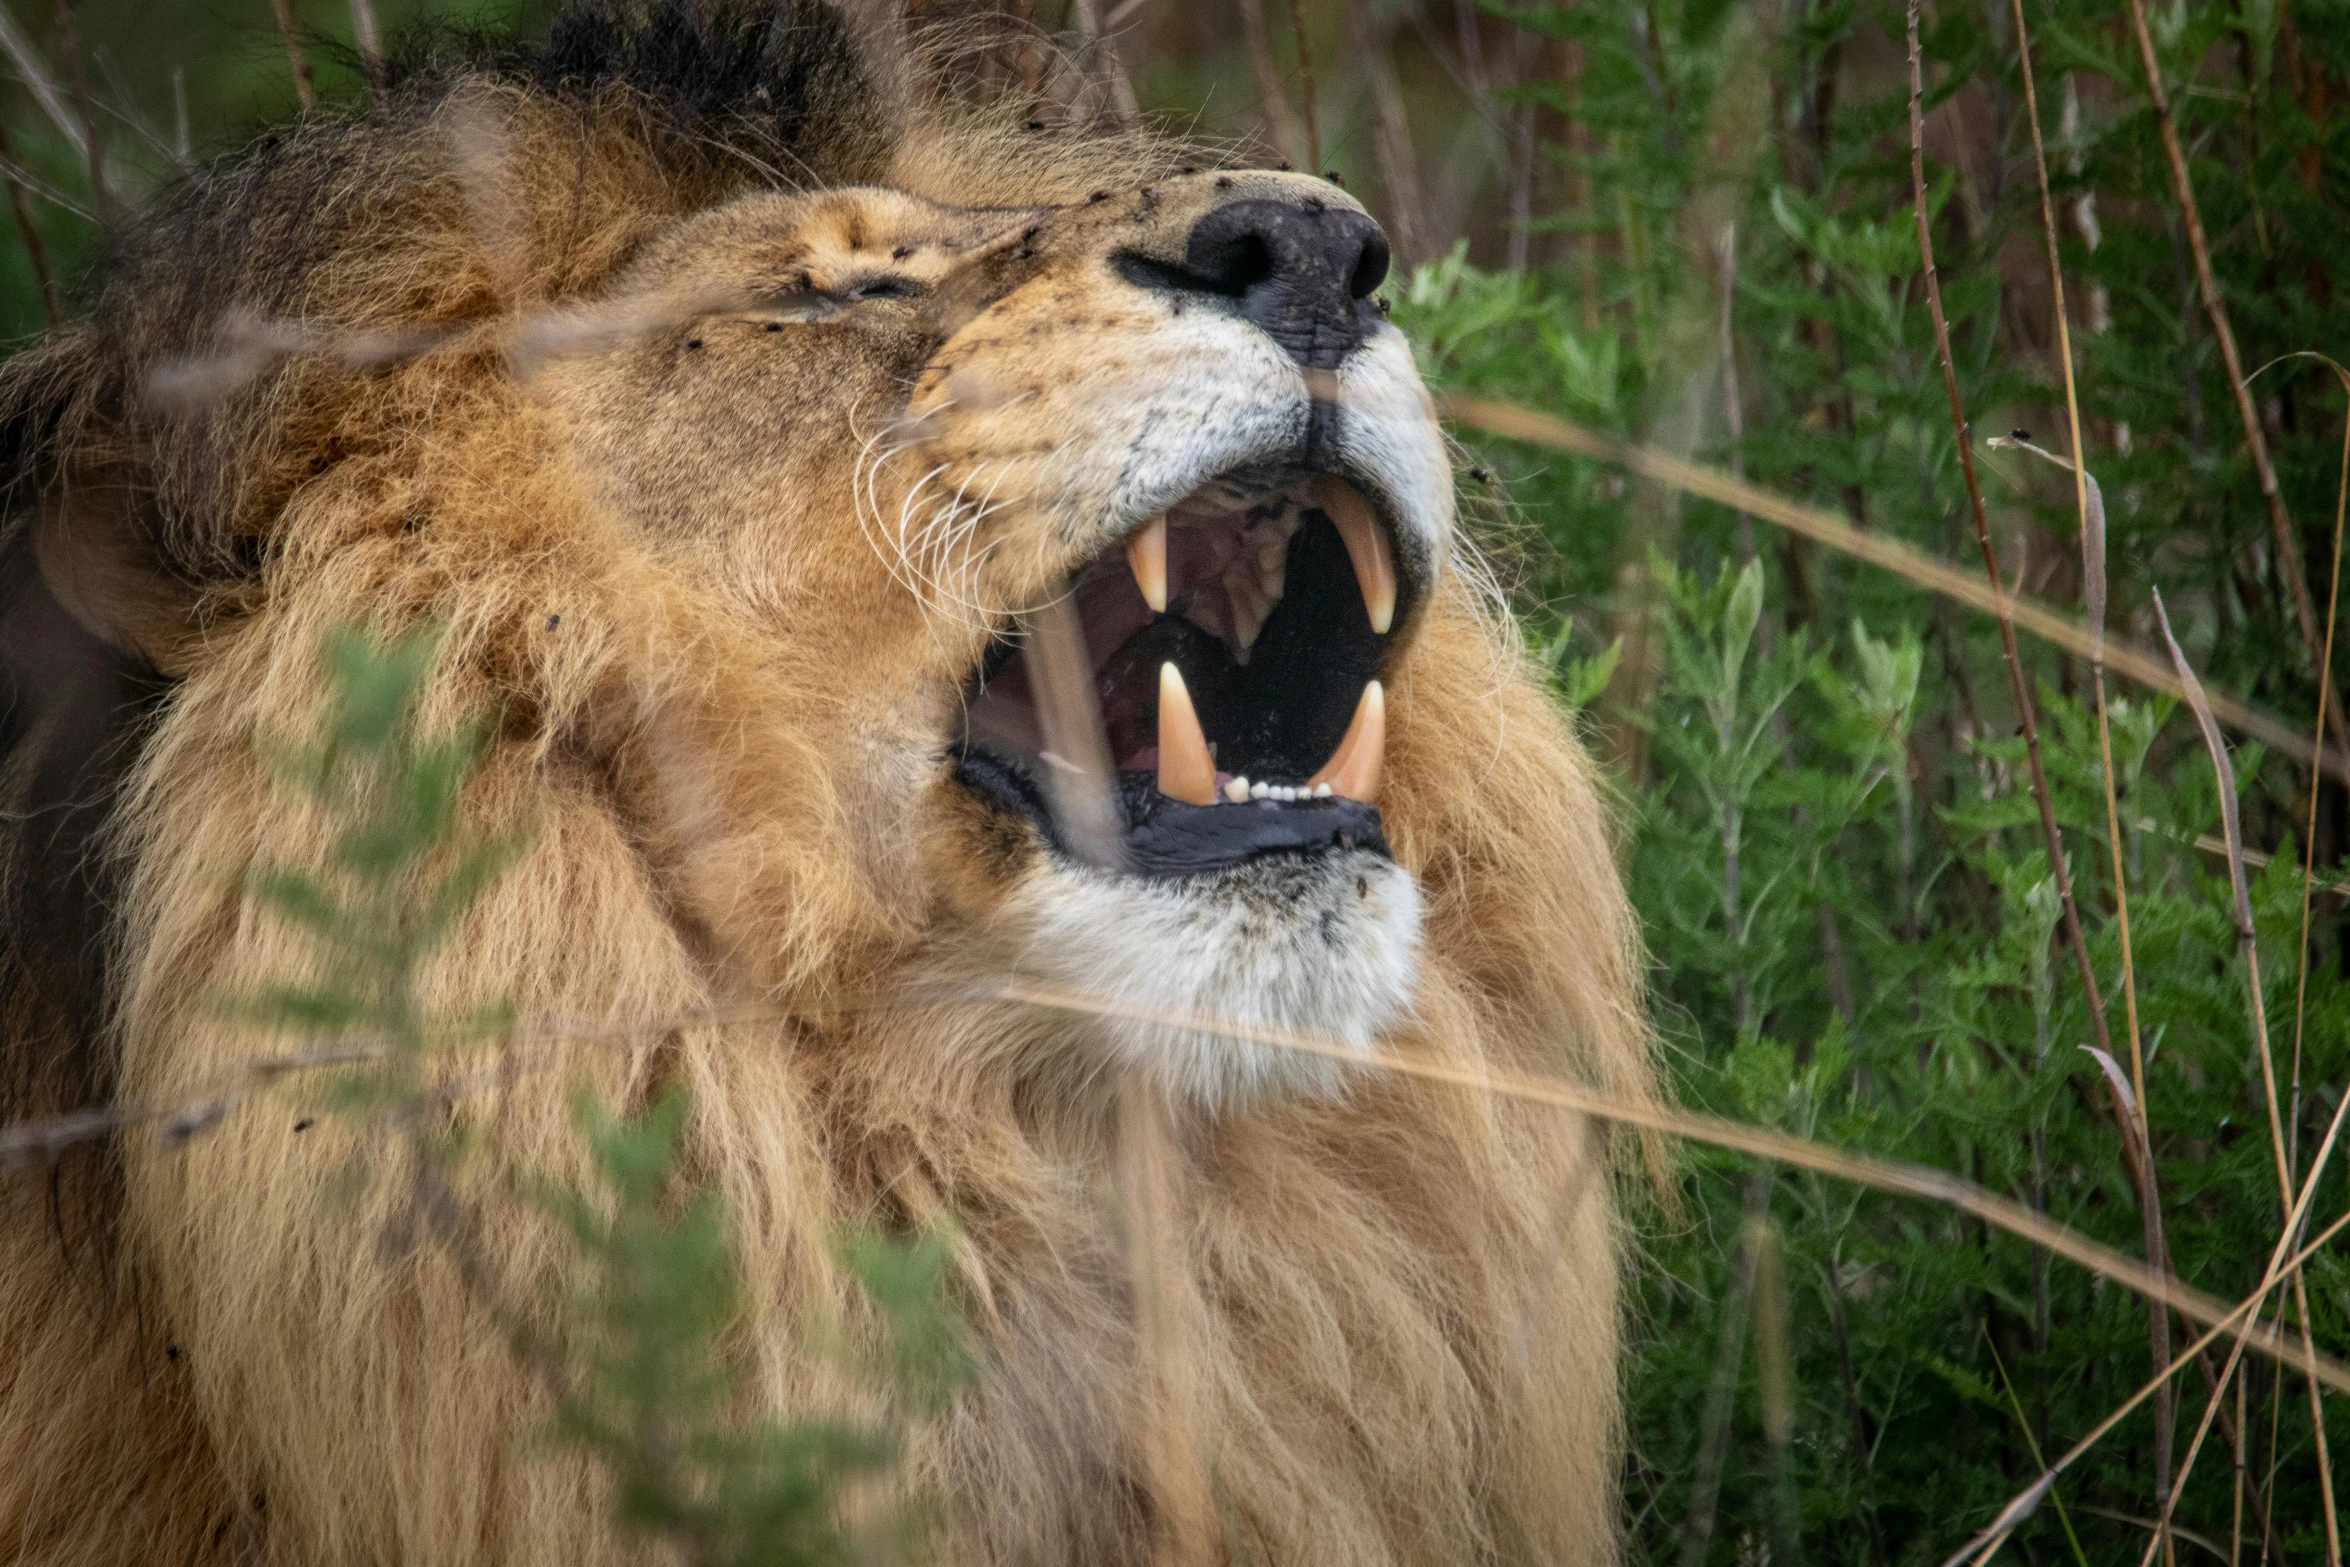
{"points": [[638, 1366]]}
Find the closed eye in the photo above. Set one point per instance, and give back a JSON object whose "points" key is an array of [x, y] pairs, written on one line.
{"points": [[884, 287], [804, 303]]}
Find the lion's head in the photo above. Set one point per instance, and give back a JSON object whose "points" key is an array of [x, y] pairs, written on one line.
{"points": [[908, 549], [1141, 494]]}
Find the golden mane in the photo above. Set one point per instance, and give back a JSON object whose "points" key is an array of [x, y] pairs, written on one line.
{"points": [[293, 405]]}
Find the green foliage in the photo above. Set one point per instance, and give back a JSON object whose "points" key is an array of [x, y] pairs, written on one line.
{"points": [[1882, 970], [643, 1361], [655, 1394], [1856, 932], [399, 872]]}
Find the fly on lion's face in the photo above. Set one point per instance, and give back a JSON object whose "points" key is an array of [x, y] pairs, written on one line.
{"points": [[1136, 604]]}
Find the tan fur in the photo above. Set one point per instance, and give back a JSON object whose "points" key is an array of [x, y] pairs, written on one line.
{"points": [[1390, 1322]]}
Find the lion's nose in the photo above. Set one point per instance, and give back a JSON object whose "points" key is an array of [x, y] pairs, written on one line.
{"points": [[1300, 270]]}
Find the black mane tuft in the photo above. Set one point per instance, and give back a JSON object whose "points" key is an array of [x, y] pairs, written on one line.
{"points": [[783, 79]]}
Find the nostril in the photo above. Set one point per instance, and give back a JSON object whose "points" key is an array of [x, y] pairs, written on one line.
{"points": [[1299, 269], [1370, 268], [1232, 265]]}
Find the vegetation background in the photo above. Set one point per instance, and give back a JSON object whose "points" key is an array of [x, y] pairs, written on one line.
{"points": [[1688, 223]]}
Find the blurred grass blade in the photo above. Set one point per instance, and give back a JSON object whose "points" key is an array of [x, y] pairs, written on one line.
{"points": [[2128, 658]]}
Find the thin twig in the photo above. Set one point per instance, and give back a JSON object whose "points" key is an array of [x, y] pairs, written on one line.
{"points": [[1104, 56], [2309, 833], [289, 29], [29, 229], [1272, 100], [1525, 156], [1398, 164], [78, 80], [1305, 84], [2289, 563], [1713, 1442], [2022, 690]]}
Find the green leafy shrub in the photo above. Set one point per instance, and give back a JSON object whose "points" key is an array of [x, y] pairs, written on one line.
{"points": [[637, 1368]]}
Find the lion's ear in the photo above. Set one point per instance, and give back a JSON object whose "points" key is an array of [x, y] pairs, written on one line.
{"points": [[93, 538]]}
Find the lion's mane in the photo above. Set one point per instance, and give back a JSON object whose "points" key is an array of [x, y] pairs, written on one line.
{"points": [[1392, 1318]]}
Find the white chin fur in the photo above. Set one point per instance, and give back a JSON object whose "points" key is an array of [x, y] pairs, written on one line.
{"points": [[1325, 947]]}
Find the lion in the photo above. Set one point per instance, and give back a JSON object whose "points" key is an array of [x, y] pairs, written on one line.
{"points": [[972, 611]]}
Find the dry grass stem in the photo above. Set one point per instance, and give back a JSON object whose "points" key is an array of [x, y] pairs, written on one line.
{"points": [[21, 178], [370, 34], [2308, 880], [1077, 748], [2248, 941], [31, 1142], [2309, 831], [1881, 1174], [33, 70], [2089, 507], [2247, 938], [2215, 310], [2020, 688], [2025, 1502], [371, 47], [2089, 504], [2123, 657], [1148, 1164]]}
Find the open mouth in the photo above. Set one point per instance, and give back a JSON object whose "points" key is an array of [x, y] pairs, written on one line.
{"points": [[1205, 693]]}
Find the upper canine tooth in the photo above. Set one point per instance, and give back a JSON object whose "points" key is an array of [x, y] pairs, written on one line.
{"points": [[1366, 546], [1146, 556], [1353, 769], [1187, 772]]}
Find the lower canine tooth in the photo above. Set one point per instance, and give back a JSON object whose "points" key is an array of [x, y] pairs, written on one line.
{"points": [[1146, 557], [1237, 789], [1187, 771], [1353, 769], [1366, 546], [1273, 570]]}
